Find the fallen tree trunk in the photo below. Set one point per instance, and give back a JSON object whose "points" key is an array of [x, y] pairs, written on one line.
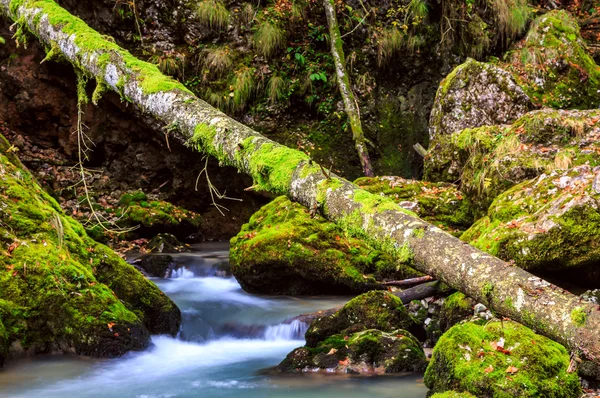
{"points": [[504, 288], [343, 82]]}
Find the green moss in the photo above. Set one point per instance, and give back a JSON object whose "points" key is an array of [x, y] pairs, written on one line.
{"points": [[456, 307], [373, 310], [285, 249], [465, 360], [578, 316], [440, 204], [51, 282], [452, 394]]}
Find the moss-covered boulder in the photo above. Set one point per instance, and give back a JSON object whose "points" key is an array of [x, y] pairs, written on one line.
{"points": [[440, 204], [553, 65], [373, 310], [284, 249], [489, 160], [59, 289], [452, 394], [457, 307], [476, 94], [501, 359], [368, 351], [548, 223], [369, 334]]}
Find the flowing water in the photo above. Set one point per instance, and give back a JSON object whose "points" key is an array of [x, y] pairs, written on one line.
{"points": [[227, 338]]}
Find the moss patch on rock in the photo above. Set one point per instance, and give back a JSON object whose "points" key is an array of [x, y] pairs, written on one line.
{"points": [[52, 293], [440, 204], [457, 307], [452, 394], [548, 223], [284, 249], [501, 360], [553, 65], [369, 334]]}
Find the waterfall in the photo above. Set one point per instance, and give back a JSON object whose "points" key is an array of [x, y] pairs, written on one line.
{"points": [[286, 331]]}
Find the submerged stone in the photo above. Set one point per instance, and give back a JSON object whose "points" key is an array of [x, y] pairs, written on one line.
{"points": [[501, 359], [548, 223], [284, 249]]}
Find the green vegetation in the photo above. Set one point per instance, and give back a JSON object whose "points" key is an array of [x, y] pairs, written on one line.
{"points": [[286, 250], [471, 358], [213, 14], [269, 38], [60, 289], [218, 60]]}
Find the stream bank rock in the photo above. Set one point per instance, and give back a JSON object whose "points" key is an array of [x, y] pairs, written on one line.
{"points": [[548, 223], [368, 335], [440, 204], [284, 249], [501, 359], [60, 291], [491, 159]]}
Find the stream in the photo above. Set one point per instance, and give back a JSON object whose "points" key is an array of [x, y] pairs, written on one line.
{"points": [[227, 338]]}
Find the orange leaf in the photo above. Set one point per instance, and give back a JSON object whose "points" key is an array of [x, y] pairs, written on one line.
{"points": [[345, 362], [512, 370], [489, 369]]}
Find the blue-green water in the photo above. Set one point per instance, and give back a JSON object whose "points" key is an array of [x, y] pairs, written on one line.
{"points": [[227, 338]]}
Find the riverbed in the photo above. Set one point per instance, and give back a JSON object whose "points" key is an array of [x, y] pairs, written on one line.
{"points": [[227, 340]]}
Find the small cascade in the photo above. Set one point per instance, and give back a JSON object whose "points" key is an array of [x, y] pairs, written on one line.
{"points": [[182, 273], [286, 331]]}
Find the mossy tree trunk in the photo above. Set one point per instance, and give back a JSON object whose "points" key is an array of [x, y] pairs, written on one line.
{"points": [[343, 82], [506, 289]]}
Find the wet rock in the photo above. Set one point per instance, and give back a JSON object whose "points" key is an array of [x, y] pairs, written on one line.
{"points": [[440, 204], [549, 223], [500, 359], [285, 250], [157, 265], [374, 310], [476, 94], [164, 243], [365, 352]]}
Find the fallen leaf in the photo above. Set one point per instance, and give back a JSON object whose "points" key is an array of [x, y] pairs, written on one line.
{"points": [[512, 370], [345, 362], [110, 325], [332, 351], [489, 369]]}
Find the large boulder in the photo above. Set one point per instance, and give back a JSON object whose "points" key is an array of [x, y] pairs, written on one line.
{"points": [[553, 65], [491, 159], [367, 335], [284, 249], [501, 359], [440, 204], [476, 94], [59, 289], [548, 223]]}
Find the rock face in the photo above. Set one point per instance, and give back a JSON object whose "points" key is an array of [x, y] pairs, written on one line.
{"points": [[440, 204], [60, 290], [491, 159], [457, 307], [476, 94], [548, 223], [368, 335], [553, 64], [500, 360], [283, 249]]}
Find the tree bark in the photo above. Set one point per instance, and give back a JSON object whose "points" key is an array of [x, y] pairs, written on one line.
{"points": [[502, 287], [409, 282], [343, 82]]}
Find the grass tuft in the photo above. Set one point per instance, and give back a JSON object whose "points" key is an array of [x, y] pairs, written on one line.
{"points": [[213, 14], [277, 89], [512, 16], [269, 38], [218, 60], [243, 88], [390, 41]]}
